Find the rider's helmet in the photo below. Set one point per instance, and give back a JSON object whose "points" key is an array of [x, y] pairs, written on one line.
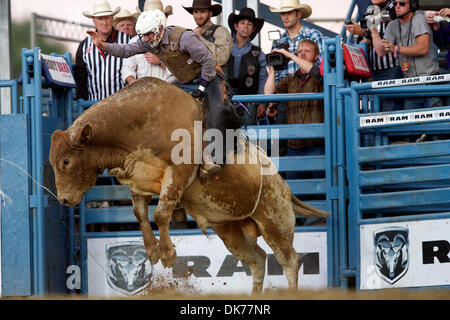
{"points": [[153, 21]]}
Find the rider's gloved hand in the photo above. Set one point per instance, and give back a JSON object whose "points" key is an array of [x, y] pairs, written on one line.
{"points": [[200, 92]]}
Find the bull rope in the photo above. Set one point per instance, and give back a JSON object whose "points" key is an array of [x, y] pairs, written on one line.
{"points": [[258, 150]]}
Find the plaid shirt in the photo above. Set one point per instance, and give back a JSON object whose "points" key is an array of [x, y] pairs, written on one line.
{"points": [[305, 33], [309, 111]]}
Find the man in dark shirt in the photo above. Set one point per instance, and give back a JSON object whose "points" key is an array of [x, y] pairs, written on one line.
{"points": [[246, 67]]}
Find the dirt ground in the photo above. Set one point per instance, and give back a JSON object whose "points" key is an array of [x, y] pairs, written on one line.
{"points": [[331, 294]]}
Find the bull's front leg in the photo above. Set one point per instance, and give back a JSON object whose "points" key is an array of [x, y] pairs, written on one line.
{"points": [[176, 180], [140, 208]]}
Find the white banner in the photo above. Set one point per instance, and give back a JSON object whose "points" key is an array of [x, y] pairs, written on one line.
{"points": [[405, 117], [411, 81], [406, 254], [58, 69], [118, 266]]}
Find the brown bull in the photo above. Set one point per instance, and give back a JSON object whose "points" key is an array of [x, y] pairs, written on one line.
{"points": [[130, 134]]}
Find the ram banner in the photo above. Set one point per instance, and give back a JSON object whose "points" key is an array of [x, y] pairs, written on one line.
{"points": [[118, 266], [405, 254]]}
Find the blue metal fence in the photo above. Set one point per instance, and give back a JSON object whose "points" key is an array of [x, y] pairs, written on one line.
{"points": [[40, 254], [367, 180], [395, 182]]}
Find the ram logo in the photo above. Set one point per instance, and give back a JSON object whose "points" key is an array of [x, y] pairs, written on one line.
{"points": [[129, 271], [391, 253]]}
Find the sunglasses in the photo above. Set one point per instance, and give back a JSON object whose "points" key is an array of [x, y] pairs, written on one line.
{"points": [[400, 3]]}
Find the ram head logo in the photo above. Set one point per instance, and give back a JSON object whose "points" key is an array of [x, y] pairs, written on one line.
{"points": [[391, 253], [129, 271]]}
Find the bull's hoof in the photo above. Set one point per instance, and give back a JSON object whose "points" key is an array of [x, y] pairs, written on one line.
{"points": [[153, 256], [168, 258]]}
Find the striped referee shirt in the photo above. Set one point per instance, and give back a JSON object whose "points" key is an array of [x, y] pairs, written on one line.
{"points": [[376, 62], [97, 74]]}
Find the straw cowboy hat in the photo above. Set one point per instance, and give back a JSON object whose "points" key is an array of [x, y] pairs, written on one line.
{"points": [[156, 4], [289, 5], [205, 4], [249, 14], [125, 14], [101, 9]]}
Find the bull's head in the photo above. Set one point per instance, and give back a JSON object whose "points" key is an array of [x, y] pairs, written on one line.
{"points": [[72, 161]]}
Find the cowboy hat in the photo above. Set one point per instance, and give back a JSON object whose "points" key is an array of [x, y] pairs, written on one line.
{"points": [[289, 5], [249, 14], [156, 4], [204, 4], [101, 9], [125, 14]]}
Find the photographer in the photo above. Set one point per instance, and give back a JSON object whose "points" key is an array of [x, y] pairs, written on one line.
{"points": [[382, 67], [410, 38], [307, 79], [291, 12]]}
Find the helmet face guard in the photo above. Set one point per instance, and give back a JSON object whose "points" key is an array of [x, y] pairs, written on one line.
{"points": [[154, 22], [156, 39]]}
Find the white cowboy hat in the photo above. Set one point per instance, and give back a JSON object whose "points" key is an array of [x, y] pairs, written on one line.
{"points": [[125, 14], [101, 9], [156, 4], [289, 5]]}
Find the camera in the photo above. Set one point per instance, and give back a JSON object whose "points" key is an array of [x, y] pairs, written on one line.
{"points": [[375, 15], [278, 60]]}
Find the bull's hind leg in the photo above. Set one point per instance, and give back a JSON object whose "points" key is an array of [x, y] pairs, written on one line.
{"points": [[140, 208], [278, 232], [175, 181], [240, 239]]}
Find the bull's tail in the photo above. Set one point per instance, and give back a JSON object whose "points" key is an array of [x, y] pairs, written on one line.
{"points": [[305, 210]]}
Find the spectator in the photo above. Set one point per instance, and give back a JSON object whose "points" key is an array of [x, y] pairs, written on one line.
{"points": [[291, 12], [246, 68], [219, 36], [382, 68], [188, 58], [147, 64], [441, 36], [409, 38], [125, 21], [307, 79], [98, 74]]}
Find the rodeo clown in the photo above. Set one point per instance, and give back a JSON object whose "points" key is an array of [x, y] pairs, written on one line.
{"points": [[188, 58]]}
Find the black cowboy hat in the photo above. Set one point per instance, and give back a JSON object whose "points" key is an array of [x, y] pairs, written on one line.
{"points": [[204, 4], [249, 14]]}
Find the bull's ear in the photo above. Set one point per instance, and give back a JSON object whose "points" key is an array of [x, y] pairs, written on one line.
{"points": [[56, 134], [83, 136]]}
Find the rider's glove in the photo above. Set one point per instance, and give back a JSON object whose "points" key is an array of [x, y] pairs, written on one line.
{"points": [[200, 92]]}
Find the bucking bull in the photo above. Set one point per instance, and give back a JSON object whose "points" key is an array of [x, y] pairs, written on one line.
{"points": [[130, 133]]}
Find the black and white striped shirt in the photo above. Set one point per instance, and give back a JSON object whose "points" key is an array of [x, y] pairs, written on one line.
{"points": [[98, 75], [376, 62]]}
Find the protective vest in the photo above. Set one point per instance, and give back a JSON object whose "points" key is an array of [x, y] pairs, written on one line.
{"points": [[179, 63], [209, 34], [248, 77]]}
